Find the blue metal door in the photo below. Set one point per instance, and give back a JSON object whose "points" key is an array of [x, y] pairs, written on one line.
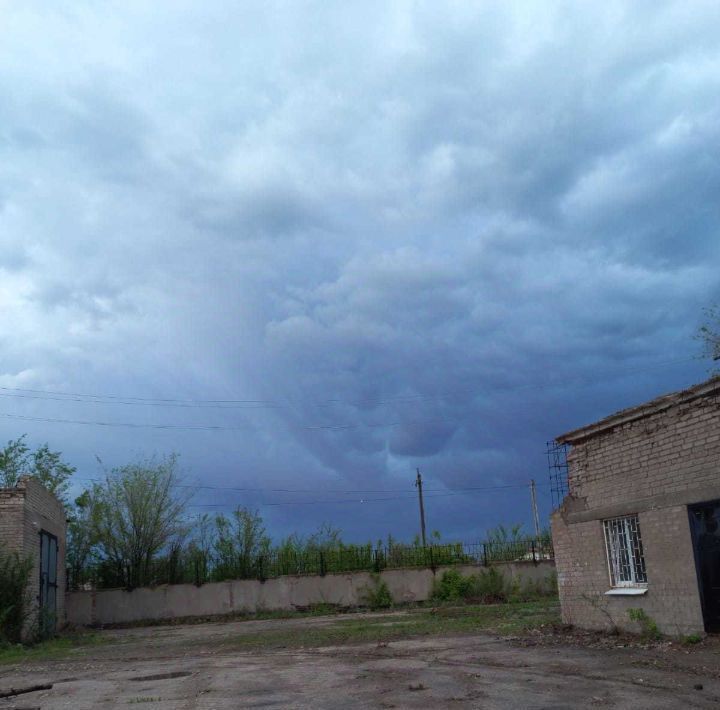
{"points": [[48, 581]]}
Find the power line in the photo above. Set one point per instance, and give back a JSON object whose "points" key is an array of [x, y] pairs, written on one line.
{"points": [[433, 493], [131, 425], [360, 501], [264, 403], [354, 491], [138, 400], [61, 397], [251, 404], [211, 427]]}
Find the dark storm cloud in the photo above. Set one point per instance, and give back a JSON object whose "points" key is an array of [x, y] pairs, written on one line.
{"points": [[422, 236]]}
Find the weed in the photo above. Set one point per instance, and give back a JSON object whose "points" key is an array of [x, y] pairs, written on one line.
{"points": [[53, 648], [469, 619], [14, 576], [322, 609], [691, 640], [378, 596], [648, 626], [488, 586], [529, 589], [453, 586]]}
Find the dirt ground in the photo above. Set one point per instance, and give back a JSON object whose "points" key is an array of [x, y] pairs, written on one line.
{"points": [[194, 666]]}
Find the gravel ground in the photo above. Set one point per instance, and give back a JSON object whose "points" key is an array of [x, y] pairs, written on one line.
{"points": [[193, 666]]}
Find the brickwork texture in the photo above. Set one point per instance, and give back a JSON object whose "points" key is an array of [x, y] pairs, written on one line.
{"points": [[653, 466], [25, 511]]}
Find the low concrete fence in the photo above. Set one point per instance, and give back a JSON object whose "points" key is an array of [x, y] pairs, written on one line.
{"points": [[119, 606]]}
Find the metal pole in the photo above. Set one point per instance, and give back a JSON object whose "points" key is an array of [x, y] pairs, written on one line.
{"points": [[418, 483], [536, 517]]}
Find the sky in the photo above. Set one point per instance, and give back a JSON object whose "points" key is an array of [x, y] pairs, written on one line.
{"points": [[313, 246]]}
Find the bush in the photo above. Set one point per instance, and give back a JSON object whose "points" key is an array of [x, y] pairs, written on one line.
{"points": [[452, 586], [691, 640], [531, 590], [14, 607], [491, 586], [648, 627], [487, 587], [378, 596]]}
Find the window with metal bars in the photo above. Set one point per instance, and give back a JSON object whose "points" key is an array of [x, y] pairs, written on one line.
{"points": [[626, 561]]}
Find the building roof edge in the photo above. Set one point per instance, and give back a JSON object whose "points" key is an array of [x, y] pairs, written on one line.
{"points": [[641, 411]]}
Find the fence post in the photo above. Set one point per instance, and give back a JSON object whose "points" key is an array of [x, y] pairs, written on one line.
{"points": [[485, 557], [322, 564], [432, 559], [533, 553]]}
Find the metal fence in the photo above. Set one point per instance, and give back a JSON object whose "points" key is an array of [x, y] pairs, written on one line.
{"points": [[183, 567]]}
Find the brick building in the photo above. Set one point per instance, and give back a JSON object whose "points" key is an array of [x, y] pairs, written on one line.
{"points": [[32, 522], [640, 527]]}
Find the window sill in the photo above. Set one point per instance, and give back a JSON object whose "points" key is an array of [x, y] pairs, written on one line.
{"points": [[626, 592]]}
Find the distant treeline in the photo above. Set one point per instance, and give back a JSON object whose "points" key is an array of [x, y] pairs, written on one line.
{"points": [[131, 529]]}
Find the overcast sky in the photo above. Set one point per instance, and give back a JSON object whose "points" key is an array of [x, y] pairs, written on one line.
{"points": [[384, 235]]}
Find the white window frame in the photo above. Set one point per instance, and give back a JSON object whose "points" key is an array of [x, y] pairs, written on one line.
{"points": [[623, 535]]}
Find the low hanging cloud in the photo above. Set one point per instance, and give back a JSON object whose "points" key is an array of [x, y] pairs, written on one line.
{"points": [[413, 236]]}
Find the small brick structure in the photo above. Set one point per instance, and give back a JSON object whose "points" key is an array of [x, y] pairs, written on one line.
{"points": [[32, 523], [639, 528]]}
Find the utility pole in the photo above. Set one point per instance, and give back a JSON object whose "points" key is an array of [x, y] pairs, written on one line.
{"points": [[536, 518], [418, 484]]}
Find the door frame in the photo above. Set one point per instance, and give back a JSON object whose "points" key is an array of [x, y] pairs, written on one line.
{"points": [[46, 584], [709, 626]]}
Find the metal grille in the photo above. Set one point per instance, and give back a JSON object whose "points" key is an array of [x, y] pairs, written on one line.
{"points": [[626, 561], [558, 467], [178, 568]]}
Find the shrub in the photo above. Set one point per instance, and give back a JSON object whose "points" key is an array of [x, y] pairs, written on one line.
{"points": [[491, 586], [648, 627], [487, 587], [14, 576], [452, 586], [378, 596], [529, 590], [692, 639]]}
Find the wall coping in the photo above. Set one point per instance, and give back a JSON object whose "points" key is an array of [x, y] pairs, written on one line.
{"points": [[577, 512], [641, 411]]}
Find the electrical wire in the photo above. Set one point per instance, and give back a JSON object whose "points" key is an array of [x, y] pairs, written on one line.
{"points": [[353, 491], [360, 501], [210, 427], [407, 495], [252, 404]]}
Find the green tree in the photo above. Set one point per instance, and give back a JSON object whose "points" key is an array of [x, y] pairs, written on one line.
{"points": [[501, 534], [241, 545], [81, 538], [709, 332], [16, 460], [325, 538], [137, 513]]}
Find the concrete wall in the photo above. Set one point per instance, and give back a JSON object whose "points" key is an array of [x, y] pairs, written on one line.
{"points": [[653, 466], [24, 511], [118, 606]]}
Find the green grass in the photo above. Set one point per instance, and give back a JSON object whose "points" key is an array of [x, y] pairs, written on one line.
{"points": [[56, 648], [320, 609], [504, 619], [416, 622]]}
